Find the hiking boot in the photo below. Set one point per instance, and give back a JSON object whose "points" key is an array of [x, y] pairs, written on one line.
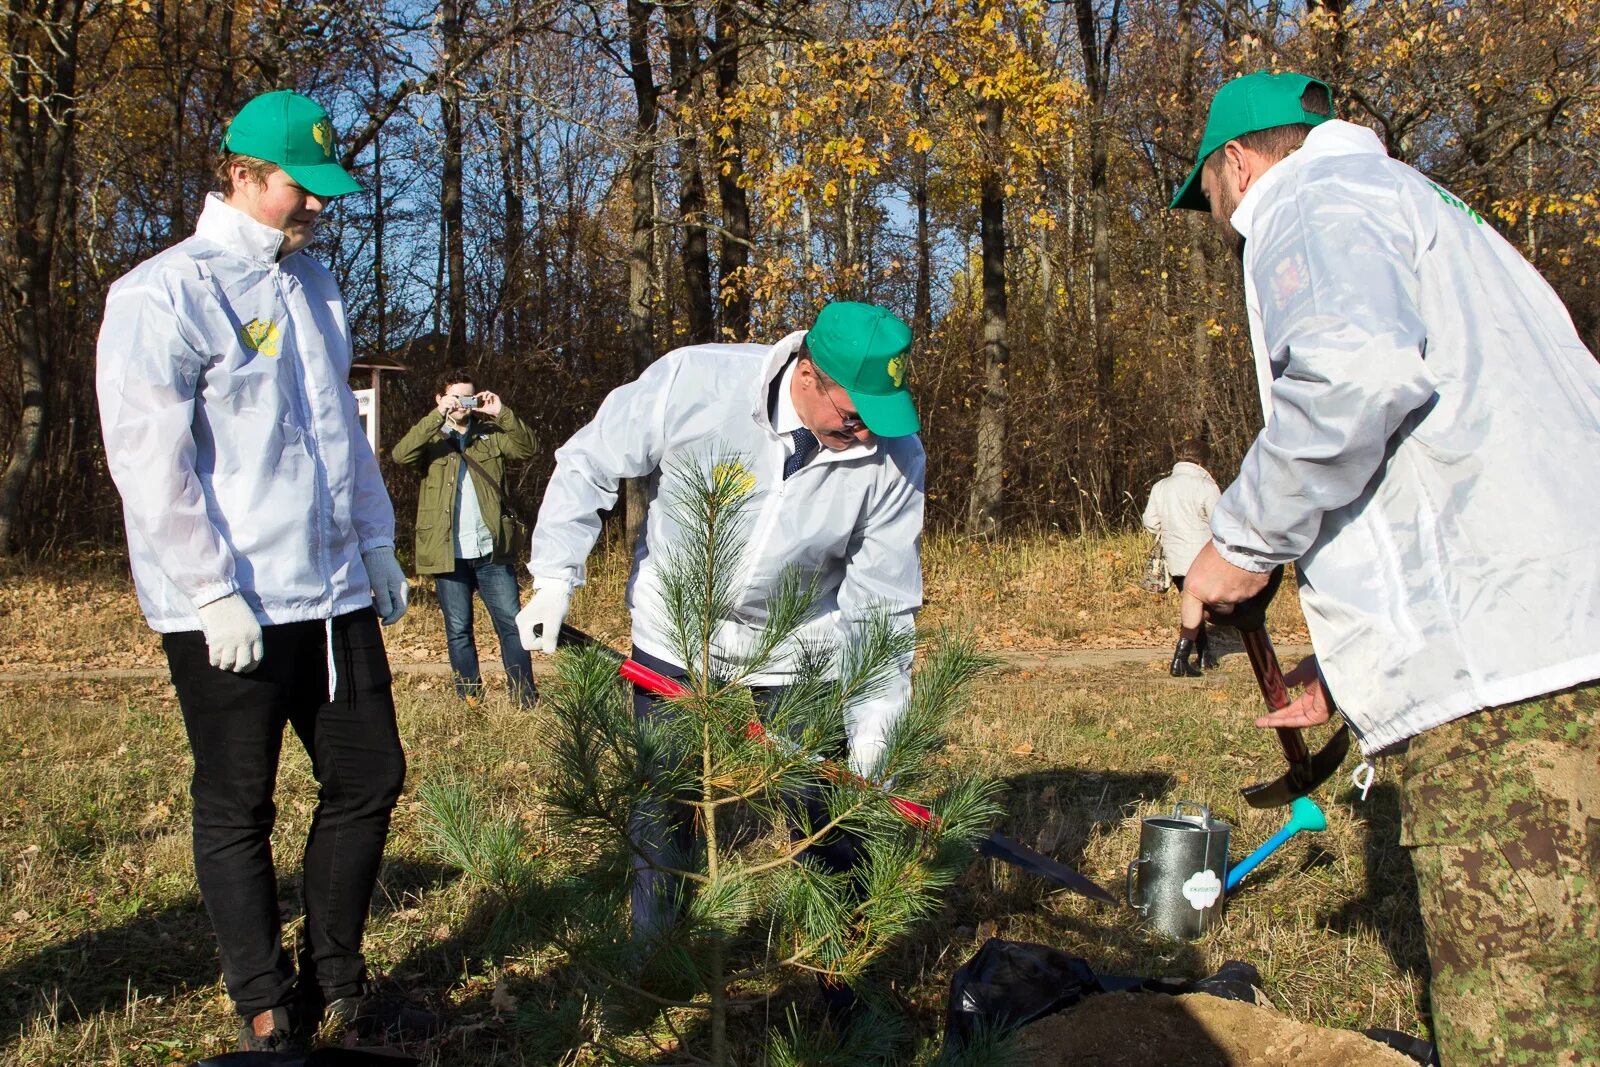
{"points": [[385, 1020], [274, 1030], [1181, 667]]}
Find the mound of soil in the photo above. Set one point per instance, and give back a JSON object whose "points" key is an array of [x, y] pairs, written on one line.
{"points": [[1194, 1030]]}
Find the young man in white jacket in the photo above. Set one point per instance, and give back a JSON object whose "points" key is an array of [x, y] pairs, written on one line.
{"points": [[1431, 446], [848, 514], [261, 538]]}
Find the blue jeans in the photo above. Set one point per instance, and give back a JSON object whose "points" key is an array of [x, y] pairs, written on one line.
{"points": [[497, 584]]}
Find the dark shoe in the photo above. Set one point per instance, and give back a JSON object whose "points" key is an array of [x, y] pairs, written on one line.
{"points": [[283, 1033], [1202, 646], [386, 1020], [841, 1002], [1181, 667]]}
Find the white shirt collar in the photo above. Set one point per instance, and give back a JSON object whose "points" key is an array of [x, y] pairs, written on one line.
{"points": [[786, 419]]}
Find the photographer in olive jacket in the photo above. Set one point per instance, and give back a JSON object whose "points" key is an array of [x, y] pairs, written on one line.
{"points": [[467, 534]]}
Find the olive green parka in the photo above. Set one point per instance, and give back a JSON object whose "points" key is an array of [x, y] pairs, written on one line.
{"points": [[428, 450]]}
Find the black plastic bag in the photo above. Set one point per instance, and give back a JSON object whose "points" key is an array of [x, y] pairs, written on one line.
{"points": [[1012, 983], [319, 1057]]}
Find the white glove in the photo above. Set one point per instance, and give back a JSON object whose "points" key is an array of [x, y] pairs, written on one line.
{"points": [[545, 612], [390, 590], [233, 636]]}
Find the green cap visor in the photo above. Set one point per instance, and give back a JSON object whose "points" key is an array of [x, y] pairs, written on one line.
{"points": [[1254, 102], [292, 131], [864, 349]]}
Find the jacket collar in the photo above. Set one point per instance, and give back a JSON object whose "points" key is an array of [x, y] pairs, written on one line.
{"points": [[227, 226], [778, 358], [1332, 138], [1185, 467]]}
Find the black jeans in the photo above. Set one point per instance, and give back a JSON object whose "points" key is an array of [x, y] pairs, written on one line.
{"points": [[671, 838], [235, 725]]}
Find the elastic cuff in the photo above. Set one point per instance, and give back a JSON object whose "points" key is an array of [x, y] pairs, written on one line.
{"points": [[1245, 562], [376, 542], [550, 581], [210, 594]]}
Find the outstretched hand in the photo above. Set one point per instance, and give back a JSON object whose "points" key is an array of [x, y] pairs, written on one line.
{"points": [[1310, 708]]}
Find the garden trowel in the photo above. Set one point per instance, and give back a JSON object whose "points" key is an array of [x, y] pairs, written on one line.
{"points": [[995, 845], [1307, 770]]}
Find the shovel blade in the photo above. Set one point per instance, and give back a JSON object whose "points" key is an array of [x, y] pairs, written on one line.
{"points": [[1021, 856], [1302, 778]]}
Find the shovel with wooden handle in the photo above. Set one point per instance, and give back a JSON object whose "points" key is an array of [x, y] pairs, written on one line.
{"points": [[1307, 770], [995, 845]]}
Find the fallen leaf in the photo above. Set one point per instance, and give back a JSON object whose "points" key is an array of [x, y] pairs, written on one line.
{"points": [[501, 999], [1024, 749]]}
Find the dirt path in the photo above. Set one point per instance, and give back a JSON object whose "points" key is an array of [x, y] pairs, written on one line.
{"points": [[1032, 660]]}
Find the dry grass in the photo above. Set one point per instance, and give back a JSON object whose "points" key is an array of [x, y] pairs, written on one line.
{"points": [[107, 958]]}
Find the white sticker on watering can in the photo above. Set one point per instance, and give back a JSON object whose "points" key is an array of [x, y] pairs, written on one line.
{"points": [[1202, 889]]}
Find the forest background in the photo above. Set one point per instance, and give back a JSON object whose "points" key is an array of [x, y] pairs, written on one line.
{"points": [[559, 191]]}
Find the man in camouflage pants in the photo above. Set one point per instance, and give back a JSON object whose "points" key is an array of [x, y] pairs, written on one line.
{"points": [[1501, 811], [1429, 463]]}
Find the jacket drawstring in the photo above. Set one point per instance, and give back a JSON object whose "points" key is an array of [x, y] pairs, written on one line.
{"points": [[1363, 776], [333, 670]]}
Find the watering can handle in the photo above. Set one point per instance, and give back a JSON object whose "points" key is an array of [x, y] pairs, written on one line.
{"points": [[1142, 909]]}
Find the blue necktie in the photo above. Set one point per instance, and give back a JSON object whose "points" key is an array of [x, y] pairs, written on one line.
{"points": [[805, 443]]}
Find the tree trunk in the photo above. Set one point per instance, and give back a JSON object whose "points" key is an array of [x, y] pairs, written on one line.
{"points": [[734, 259], [455, 243], [641, 247], [988, 475], [922, 299], [41, 123], [1097, 52], [683, 58], [513, 267]]}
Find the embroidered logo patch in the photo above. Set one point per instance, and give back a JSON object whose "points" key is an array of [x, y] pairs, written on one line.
{"points": [[733, 476], [322, 133], [897, 371], [262, 335], [1289, 278]]}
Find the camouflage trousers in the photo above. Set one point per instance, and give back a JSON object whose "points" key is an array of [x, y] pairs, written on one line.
{"points": [[1501, 812]]}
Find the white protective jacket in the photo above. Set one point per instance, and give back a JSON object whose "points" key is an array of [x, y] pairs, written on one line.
{"points": [[1179, 513], [231, 431], [851, 520], [1432, 443]]}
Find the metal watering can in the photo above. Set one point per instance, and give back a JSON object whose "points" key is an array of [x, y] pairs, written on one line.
{"points": [[1181, 875]]}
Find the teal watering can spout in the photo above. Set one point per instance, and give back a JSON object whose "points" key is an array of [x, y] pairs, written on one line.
{"points": [[1303, 815]]}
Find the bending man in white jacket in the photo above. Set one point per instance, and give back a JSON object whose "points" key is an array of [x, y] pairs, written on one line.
{"points": [[848, 514], [1431, 446], [261, 539]]}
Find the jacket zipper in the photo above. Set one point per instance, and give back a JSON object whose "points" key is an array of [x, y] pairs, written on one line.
{"points": [[324, 518]]}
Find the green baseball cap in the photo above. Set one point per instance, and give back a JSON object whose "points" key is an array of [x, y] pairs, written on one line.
{"points": [[1254, 102], [292, 131], [863, 348]]}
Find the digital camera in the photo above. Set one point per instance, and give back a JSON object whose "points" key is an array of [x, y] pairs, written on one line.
{"points": [[468, 401]]}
